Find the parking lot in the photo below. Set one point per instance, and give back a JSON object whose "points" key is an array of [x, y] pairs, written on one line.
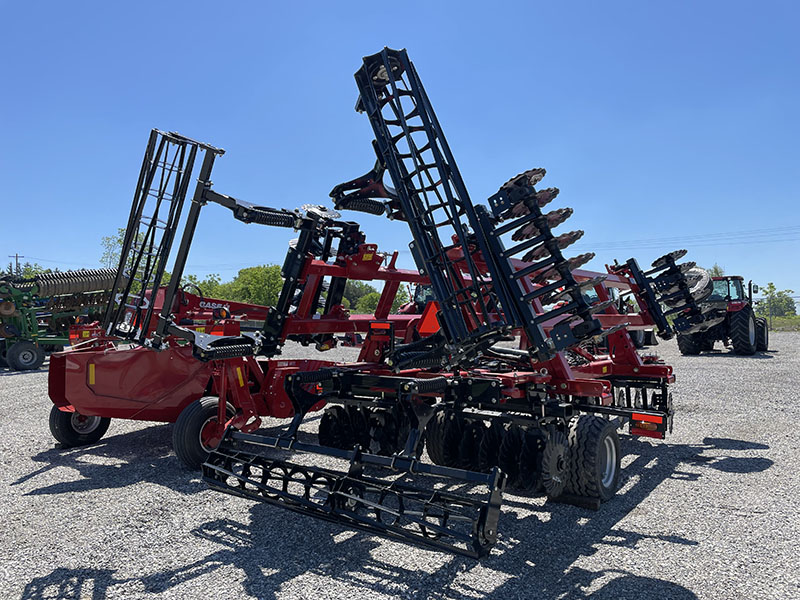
{"points": [[712, 512]]}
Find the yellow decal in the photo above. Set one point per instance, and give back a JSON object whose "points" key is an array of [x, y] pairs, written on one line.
{"points": [[201, 329], [367, 256], [85, 334], [241, 379], [91, 374], [605, 369]]}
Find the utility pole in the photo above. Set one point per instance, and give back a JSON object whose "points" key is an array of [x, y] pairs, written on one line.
{"points": [[16, 258]]}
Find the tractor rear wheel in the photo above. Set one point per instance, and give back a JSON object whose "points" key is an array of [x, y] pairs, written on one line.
{"points": [[689, 345], [594, 458], [762, 334], [74, 429], [743, 331], [25, 356], [187, 434]]}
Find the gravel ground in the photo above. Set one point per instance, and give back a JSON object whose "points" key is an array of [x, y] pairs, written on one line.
{"points": [[710, 513]]}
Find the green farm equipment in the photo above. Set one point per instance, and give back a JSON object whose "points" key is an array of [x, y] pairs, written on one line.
{"points": [[36, 313]]}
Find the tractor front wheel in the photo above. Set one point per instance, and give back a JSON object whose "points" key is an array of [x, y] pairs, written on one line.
{"points": [[25, 356], [690, 344], [762, 335], [189, 435], [74, 429], [743, 331]]}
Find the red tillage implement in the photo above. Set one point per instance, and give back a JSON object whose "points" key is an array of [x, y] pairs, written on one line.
{"points": [[523, 382]]}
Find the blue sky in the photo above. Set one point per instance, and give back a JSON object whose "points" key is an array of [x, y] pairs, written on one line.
{"points": [[665, 125]]}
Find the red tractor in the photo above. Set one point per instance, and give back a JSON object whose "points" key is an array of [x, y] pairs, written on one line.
{"points": [[732, 319]]}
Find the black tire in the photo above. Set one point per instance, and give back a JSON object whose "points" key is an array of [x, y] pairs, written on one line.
{"points": [[637, 337], [689, 345], [74, 429], [25, 356], [707, 345], [186, 432], [743, 331], [594, 458], [762, 335]]}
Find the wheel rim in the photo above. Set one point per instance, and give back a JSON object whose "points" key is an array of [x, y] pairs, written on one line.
{"points": [[610, 462], [82, 424], [205, 433], [27, 357], [752, 331]]}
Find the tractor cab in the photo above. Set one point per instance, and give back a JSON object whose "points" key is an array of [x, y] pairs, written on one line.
{"points": [[731, 289]]}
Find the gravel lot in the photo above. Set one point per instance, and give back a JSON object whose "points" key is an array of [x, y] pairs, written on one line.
{"points": [[711, 513]]}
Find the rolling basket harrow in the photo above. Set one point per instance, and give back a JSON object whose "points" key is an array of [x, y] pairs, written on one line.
{"points": [[518, 375]]}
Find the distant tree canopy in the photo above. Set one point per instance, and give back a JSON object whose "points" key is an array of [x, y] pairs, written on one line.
{"points": [[716, 271], [355, 290], [368, 303], [112, 247], [26, 270], [776, 303]]}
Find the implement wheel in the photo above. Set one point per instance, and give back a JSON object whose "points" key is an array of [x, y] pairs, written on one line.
{"points": [[594, 458], [744, 331], [191, 428], [762, 335], [74, 429], [25, 356]]}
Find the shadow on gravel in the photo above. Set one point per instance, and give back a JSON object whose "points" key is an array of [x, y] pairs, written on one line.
{"points": [[118, 461], [115, 462], [4, 372], [725, 354], [540, 544]]}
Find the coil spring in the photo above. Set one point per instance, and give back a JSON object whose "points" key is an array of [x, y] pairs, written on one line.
{"points": [[314, 376], [427, 386], [263, 217], [232, 351], [417, 360], [365, 205]]}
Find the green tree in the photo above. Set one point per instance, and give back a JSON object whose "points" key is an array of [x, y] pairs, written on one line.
{"points": [[256, 285], [112, 247], [400, 299], [775, 302], [367, 303], [28, 270], [716, 271], [355, 290], [210, 286]]}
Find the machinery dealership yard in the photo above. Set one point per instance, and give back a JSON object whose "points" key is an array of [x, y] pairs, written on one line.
{"points": [[712, 512]]}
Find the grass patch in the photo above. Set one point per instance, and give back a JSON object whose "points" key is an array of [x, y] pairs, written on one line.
{"points": [[785, 323]]}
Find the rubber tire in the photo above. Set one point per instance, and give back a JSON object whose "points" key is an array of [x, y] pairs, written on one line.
{"points": [[740, 329], [186, 432], [587, 443], [17, 356], [637, 337], [707, 345], [689, 345], [63, 431], [762, 335]]}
